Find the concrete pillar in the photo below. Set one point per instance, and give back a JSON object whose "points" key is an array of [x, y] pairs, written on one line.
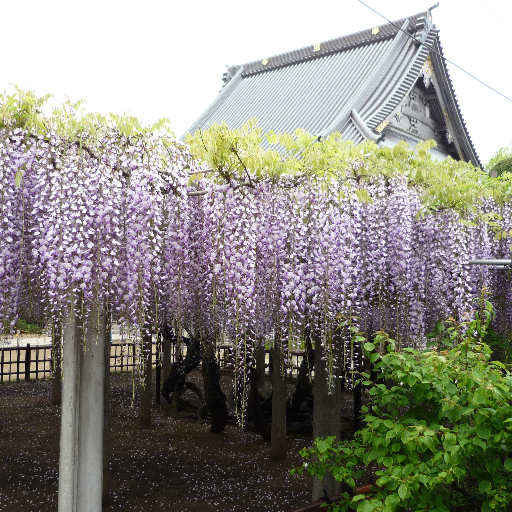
{"points": [[106, 418], [81, 439]]}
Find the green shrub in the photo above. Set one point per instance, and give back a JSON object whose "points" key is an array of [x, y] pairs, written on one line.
{"points": [[448, 334], [502, 166], [441, 438], [25, 326], [501, 347]]}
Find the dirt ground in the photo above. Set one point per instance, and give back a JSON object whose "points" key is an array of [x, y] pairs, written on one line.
{"points": [[174, 465]]}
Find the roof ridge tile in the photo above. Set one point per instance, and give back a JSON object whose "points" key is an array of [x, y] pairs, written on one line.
{"points": [[339, 44]]}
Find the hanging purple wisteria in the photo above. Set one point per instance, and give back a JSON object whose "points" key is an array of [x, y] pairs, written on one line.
{"points": [[86, 219], [115, 218]]}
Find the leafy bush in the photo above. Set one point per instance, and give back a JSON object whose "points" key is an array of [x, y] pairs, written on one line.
{"points": [[501, 346], [25, 326], [448, 334], [500, 155], [441, 438], [502, 166]]}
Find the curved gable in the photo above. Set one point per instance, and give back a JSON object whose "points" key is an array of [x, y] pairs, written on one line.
{"points": [[359, 85]]}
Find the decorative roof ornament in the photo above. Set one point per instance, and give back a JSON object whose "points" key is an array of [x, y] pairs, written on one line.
{"points": [[449, 136], [428, 23], [264, 62], [427, 71], [316, 47], [375, 31], [381, 126], [231, 71]]}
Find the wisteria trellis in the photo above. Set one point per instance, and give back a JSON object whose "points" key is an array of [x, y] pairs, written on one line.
{"points": [[117, 221]]}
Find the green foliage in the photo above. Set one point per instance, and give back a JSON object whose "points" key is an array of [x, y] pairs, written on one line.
{"points": [[501, 154], [24, 109], [440, 438], [501, 346], [238, 157], [451, 333], [74, 126], [447, 184], [448, 334], [502, 166], [25, 326]]}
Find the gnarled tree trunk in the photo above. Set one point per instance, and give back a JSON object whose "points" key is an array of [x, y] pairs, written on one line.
{"points": [[177, 391], [260, 356], [255, 398], [304, 386], [167, 341], [214, 396]]}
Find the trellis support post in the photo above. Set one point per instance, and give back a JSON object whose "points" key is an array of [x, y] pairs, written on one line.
{"points": [[81, 440]]}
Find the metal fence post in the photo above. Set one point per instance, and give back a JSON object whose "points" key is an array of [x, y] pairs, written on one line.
{"points": [[28, 357]]}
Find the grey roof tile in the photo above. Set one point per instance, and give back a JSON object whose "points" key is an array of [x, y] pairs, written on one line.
{"points": [[351, 84]]}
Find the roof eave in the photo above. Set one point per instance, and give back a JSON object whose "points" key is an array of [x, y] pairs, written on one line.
{"points": [[452, 111], [201, 122]]}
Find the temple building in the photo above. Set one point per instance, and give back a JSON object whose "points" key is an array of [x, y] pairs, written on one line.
{"points": [[387, 84]]}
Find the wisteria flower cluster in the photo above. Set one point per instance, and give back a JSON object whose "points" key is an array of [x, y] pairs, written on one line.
{"points": [[88, 221], [133, 224]]}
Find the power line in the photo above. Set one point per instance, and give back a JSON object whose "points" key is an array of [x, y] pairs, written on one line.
{"points": [[492, 12], [436, 52]]}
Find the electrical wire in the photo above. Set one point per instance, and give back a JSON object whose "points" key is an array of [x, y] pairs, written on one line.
{"points": [[492, 12], [436, 52]]}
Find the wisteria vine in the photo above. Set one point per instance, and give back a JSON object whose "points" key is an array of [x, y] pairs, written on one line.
{"points": [[133, 223]]}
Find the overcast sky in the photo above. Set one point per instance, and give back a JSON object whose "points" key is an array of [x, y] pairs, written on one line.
{"points": [[158, 58]]}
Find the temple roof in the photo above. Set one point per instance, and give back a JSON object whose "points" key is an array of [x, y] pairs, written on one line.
{"points": [[364, 85]]}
